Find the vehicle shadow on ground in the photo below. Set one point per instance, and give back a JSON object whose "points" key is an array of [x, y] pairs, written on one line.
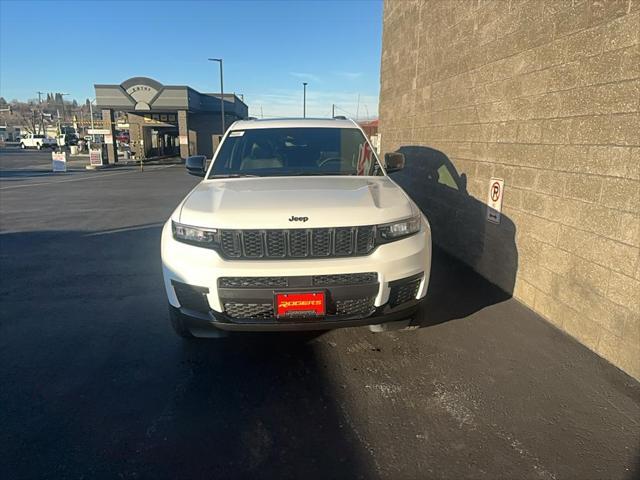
{"points": [[100, 386], [273, 411], [459, 229]]}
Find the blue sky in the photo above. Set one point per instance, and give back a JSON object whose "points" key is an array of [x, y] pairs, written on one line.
{"points": [[269, 48]]}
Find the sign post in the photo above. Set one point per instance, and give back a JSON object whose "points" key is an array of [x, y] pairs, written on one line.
{"points": [[494, 200], [95, 157], [59, 161]]}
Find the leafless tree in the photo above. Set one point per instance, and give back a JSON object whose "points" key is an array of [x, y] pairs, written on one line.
{"points": [[29, 120]]}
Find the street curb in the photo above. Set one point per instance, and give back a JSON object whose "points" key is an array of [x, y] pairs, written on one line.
{"points": [[102, 167]]}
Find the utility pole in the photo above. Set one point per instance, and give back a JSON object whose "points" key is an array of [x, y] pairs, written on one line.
{"points": [[219, 60], [91, 113], [59, 124], [333, 110], [304, 99], [41, 112]]}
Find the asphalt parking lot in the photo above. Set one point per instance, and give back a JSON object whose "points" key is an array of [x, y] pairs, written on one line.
{"points": [[94, 383]]}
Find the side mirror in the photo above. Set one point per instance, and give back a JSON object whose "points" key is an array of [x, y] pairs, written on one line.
{"points": [[463, 182], [394, 161], [196, 165]]}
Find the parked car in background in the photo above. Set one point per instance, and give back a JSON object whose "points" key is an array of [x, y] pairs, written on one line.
{"points": [[67, 139], [32, 140], [122, 137]]}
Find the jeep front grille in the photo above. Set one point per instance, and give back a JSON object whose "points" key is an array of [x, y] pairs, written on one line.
{"points": [[297, 243]]}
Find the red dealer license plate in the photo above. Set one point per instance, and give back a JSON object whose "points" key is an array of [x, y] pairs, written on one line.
{"points": [[308, 304]]}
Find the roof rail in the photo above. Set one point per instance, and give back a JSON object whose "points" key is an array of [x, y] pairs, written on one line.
{"points": [[340, 117]]}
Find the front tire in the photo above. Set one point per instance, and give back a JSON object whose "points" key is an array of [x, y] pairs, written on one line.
{"points": [[178, 323]]}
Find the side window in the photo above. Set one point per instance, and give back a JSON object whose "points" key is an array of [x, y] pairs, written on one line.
{"points": [[445, 177]]}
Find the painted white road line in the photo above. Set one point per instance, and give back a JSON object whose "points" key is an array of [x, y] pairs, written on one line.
{"points": [[91, 177]]}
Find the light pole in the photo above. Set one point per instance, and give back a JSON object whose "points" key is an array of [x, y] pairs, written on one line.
{"points": [[91, 113], [219, 60], [304, 99], [41, 112], [62, 95]]}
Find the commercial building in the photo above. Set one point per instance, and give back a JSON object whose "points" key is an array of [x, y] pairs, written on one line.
{"points": [[165, 119], [11, 133], [370, 128], [545, 98]]}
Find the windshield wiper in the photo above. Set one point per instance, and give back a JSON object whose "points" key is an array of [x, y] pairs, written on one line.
{"points": [[233, 175]]}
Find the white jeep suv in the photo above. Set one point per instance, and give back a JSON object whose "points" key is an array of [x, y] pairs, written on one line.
{"points": [[295, 226]]}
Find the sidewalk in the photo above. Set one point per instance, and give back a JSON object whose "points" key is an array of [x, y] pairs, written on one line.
{"points": [[130, 162]]}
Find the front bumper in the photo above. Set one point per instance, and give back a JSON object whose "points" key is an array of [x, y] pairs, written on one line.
{"points": [[199, 322], [201, 269]]}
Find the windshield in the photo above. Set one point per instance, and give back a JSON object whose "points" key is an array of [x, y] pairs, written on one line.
{"points": [[295, 151]]}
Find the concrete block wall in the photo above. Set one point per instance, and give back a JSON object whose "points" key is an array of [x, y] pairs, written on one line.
{"points": [[544, 94]]}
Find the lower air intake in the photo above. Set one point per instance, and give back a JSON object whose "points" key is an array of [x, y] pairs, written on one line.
{"points": [[404, 291], [249, 310], [359, 306]]}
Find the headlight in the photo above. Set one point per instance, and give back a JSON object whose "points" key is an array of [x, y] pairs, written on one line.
{"points": [[397, 230], [195, 235]]}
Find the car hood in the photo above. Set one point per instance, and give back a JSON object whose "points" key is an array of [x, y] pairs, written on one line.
{"points": [[271, 202]]}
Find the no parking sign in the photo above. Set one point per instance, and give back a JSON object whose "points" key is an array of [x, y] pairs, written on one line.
{"points": [[494, 201], [59, 161]]}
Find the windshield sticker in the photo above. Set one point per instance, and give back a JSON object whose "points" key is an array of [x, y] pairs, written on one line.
{"points": [[237, 133], [365, 155]]}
